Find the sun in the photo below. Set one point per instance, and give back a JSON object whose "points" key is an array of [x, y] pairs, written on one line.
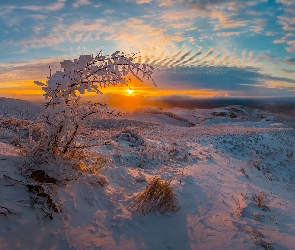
{"points": [[129, 91]]}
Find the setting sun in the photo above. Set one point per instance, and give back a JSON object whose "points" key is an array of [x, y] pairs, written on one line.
{"points": [[129, 91]]}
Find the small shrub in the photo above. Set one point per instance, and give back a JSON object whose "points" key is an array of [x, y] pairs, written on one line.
{"points": [[257, 237], [43, 195], [261, 200], [258, 216], [157, 196], [242, 170], [238, 208], [5, 211], [42, 177], [65, 114], [130, 136], [89, 163]]}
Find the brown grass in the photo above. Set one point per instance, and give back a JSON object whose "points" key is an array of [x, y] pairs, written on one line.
{"points": [[157, 196], [261, 200]]}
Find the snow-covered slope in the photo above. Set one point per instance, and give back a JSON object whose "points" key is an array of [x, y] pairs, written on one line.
{"points": [[233, 173], [20, 109]]}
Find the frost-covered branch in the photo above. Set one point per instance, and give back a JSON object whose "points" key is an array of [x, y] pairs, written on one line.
{"points": [[64, 112]]}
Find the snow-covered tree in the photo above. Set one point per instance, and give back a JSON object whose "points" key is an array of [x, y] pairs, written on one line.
{"points": [[64, 111]]}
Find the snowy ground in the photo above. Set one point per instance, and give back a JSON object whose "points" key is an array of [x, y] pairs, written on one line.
{"points": [[232, 169]]}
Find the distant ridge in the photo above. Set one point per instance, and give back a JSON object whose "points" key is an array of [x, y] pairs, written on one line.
{"points": [[19, 109], [278, 105]]}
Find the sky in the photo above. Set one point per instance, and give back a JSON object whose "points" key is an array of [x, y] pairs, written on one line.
{"points": [[199, 48]]}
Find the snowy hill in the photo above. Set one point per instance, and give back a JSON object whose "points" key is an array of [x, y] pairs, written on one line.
{"points": [[20, 109], [232, 169]]}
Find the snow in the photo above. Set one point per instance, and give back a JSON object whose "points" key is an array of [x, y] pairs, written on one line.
{"points": [[19, 109], [8, 150], [216, 167]]}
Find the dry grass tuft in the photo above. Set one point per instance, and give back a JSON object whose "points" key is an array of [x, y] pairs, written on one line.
{"points": [[258, 239], [242, 170], [238, 209], [157, 196], [261, 200], [87, 162]]}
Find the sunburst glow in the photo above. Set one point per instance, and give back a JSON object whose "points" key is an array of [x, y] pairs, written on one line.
{"points": [[129, 91]]}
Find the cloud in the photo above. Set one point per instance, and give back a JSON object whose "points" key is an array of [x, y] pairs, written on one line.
{"points": [[290, 60], [165, 2], [108, 12], [23, 73], [227, 20], [286, 22], [11, 17], [251, 55], [288, 71], [142, 1], [209, 4], [171, 59], [224, 59], [232, 33], [133, 31], [38, 28], [79, 3], [280, 41], [254, 13], [285, 2], [182, 58], [219, 78], [286, 39], [39, 8], [76, 32], [136, 34], [199, 52], [208, 53], [15, 20], [258, 26], [269, 33], [292, 47]]}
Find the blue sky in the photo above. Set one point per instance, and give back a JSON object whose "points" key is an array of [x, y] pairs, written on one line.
{"points": [[198, 48]]}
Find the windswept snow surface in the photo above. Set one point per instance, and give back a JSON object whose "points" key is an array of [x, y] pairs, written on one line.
{"points": [[218, 169]]}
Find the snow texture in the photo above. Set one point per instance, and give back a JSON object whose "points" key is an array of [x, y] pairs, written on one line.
{"points": [[233, 173]]}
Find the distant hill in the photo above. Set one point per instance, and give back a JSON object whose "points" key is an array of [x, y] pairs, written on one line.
{"points": [[277, 105], [20, 109]]}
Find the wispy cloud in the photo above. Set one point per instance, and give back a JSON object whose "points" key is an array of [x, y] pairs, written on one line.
{"points": [[288, 71], [165, 2], [76, 32], [79, 3], [132, 34], [184, 35], [232, 33], [214, 77], [285, 2], [208, 53], [290, 60], [199, 52], [226, 20], [182, 58], [51, 7], [17, 72]]}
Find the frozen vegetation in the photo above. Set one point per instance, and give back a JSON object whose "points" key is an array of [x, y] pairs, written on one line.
{"points": [[150, 179]]}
